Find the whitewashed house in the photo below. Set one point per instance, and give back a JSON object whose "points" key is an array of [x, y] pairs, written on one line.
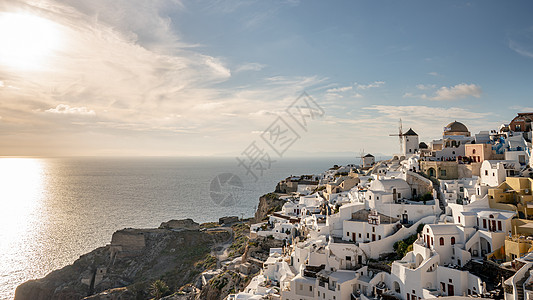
{"points": [[420, 275], [494, 172]]}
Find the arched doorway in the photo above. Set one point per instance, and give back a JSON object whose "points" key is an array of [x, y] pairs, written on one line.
{"points": [[431, 172], [397, 287]]}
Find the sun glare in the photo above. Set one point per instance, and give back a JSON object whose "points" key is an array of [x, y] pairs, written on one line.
{"points": [[27, 41]]}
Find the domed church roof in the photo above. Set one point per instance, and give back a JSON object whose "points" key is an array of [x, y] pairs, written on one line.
{"points": [[456, 127]]}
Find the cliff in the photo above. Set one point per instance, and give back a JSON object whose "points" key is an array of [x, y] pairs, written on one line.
{"points": [[177, 253], [134, 259], [268, 204]]}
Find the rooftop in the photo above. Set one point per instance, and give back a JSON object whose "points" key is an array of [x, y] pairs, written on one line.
{"points": [[362, 216]]}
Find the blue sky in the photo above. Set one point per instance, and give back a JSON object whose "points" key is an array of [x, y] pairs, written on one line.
{"points": [[206, 77]]}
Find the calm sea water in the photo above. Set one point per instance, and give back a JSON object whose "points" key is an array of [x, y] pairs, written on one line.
{"points": [[52, 210]]}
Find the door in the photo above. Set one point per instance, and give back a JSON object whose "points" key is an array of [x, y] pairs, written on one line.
{"points": [[394, 195], [353, 236], [405, 219], [373, 237], [450, 289], [360, 259]]}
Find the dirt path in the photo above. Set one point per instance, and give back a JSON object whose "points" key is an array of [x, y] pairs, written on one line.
{"points": [[221, 250]]}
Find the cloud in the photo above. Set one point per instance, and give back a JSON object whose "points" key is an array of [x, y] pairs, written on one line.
{"points": [[1, 83], [520, 49], [66, 109], [458, 91], [250, 67], [426, 86], [374, 84], [427, 121], [340, 89], [433, 74]]}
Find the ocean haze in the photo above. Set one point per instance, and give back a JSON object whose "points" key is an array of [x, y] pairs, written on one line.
{"points": [[52, 210]]}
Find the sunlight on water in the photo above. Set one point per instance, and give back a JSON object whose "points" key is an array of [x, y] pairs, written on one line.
{"points": [[21, 195], [52, 210]]}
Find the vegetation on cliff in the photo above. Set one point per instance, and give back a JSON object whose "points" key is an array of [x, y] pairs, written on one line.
{"points": [[145, 263]]}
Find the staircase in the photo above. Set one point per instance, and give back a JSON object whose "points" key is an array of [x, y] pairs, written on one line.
{"points": [[520, 288], [436, 187]]}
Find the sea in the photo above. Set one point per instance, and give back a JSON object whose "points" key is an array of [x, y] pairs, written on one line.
{"points": [[52, 210]]}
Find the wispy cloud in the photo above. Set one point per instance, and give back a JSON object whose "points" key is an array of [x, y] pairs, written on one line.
{"points": [[250, 67], [433, 74], [520, 49], [340, 89], [66, 109], [127, 67], [427, 120], [458, 91], [374, 84], [426, 86]]}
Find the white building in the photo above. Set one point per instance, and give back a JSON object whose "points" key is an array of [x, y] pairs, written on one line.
{"points": [[369, 226], [420, 275], [368, 161], [494, 172], [409, 142], [516, 149]]}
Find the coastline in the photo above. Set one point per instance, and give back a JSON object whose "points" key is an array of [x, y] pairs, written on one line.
{"points": [[177, 252]]}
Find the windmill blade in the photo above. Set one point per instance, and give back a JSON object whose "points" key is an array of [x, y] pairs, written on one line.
{"points": [[400, 135]]}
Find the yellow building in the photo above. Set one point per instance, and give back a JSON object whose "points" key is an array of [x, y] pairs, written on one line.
{"points": [[513, 194]]}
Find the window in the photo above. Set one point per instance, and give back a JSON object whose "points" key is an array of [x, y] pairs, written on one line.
{"points": [[486, 172], [431, 241], [347, 234], [310, 288], [367, 235], [484, 223], [453, 240], [499, 225], [441, 241], [459, 219], [379, 237], [473, 151], [399, 195], [442, 172], [359, 235], [373, 229]]}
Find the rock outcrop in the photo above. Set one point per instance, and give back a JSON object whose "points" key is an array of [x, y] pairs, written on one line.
{"points": [[185, 224], [177, 252], [268, 204], [134, 259]]}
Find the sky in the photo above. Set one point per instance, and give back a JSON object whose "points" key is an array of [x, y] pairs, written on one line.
{"points": [[207, 78]]}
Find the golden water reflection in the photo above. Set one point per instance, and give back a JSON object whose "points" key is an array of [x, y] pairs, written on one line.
{"points": [[21, 198]]}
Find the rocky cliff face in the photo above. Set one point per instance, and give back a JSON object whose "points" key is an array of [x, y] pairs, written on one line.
{"points": [[177, 252], [134, 259], [268, 204]]}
